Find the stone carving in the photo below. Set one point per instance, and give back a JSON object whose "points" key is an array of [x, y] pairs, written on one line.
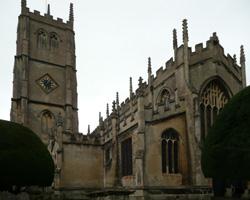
{"points": [[54, 149], [59, 121]]}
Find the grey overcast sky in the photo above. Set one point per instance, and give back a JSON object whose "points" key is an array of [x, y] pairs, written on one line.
{"points": [[115, 37]]}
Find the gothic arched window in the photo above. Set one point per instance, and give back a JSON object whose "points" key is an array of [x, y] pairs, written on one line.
{"points": [[164, 98], [169, 145], [213, 99], [54, 41], [42, 39], [47, 122]]}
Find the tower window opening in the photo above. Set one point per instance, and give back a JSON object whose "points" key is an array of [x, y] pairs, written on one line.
{"points": [[42, 39]]}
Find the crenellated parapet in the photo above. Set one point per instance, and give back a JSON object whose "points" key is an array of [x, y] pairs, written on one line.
{"points": [[47, 17], [215, 52], [80, 139]]}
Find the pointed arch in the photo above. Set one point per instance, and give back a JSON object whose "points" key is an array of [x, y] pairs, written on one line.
{"points": [[54, 40], [164, 97], [214, 94], [47, 121], [42, 38]]}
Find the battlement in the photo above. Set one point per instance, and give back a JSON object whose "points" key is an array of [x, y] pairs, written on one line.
{"points": [[48, 18], [214, 50], [80, 139]]}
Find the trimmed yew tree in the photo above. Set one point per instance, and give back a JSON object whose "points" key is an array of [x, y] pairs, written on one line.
{"points": [[24, 159], [226, 150]]}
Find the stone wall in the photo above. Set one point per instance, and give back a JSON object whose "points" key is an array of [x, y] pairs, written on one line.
{"points": [[82, 166], [153, 170]]}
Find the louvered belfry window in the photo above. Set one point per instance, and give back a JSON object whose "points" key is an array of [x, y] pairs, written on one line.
{"points": [[126, 157]]}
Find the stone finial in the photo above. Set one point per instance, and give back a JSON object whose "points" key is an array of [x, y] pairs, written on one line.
{"points": [[88, 129], [107, 111], [71, 13], [117, 99], [140, 89], [235, 59], [149, 66], [24, 6], [48, 9], [243, 66], [140, 81], [214, 38], [113, 107], [100, 116], [175, 42], [185, 31], [242, 55], [24, 3], [130, 87]]}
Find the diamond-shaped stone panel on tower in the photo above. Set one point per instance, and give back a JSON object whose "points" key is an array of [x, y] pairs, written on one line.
{"points": [[47, 83]]}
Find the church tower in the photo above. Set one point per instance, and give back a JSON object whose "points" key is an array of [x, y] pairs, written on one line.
{"points": [[45, 85]]}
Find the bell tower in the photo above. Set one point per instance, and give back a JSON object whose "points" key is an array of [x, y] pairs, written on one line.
{"points": [[44, 81]]}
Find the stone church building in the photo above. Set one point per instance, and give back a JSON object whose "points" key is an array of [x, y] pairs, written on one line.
{"points": [[147, 147]]}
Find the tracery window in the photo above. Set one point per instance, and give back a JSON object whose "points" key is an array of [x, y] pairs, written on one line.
{"points": [[42, 39], [126, 157], [170, 139], [213, 99], [47, 122], [164, 98], [54, 41]]}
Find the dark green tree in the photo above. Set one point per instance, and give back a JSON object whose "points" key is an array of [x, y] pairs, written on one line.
{"points": [[24, 159], [226, 150]]}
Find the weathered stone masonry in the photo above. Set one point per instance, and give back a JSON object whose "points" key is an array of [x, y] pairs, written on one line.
{"points": [[147, 147]]}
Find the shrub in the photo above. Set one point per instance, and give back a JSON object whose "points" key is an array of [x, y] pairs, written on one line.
{"points": [[24, 159]]}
